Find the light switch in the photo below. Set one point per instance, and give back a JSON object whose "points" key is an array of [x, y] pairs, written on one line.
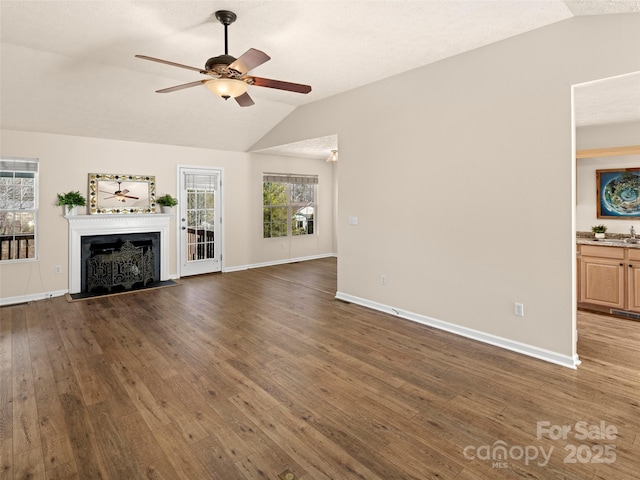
{"points": [[353, 220]]}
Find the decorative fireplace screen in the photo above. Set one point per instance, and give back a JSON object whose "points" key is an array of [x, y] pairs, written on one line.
{"points": [[124, 268], [117, 262]]}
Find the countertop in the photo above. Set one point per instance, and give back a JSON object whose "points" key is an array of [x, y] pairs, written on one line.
{"points": [[607, 242]]}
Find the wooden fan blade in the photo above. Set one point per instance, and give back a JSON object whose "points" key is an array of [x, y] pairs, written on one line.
{"points": [[167, 62], [180, 87], [129, 196], [249, 60], [244, 100], [280, 85]]}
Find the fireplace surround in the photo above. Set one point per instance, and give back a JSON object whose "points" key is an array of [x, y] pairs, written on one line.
{"points": [[94, 225]]}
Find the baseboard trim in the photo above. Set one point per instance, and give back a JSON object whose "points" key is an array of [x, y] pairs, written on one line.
{"points": [[31, 297], [277, 262], [514, 346], [42, 296]]}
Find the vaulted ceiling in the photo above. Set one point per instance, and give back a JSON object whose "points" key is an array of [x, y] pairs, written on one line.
{"points": [[68, 67]]}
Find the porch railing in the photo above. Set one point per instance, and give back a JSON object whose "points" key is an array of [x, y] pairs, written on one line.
{"points": [[14, 247]]}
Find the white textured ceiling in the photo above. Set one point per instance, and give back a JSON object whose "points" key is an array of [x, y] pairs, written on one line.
{"points": [[613, 100], [68, 67]]}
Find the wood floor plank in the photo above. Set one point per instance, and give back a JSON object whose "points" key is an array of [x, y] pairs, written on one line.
{"points": [[301, 449], [60, 363], [147, 405], [26, 432], [5, 341], [270, 451], [314, 452], [112, 391], [28, 464], [114, 449], [182, 419], [6, 405], [220, 460], [118, 336], [201, 407], [179, 452], [246, 436], [89, 461], [56, 447], [68, 471], [77, 336], [249, 374], [6, 459], [152, 462]]}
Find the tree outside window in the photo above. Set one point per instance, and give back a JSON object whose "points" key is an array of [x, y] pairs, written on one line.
{"points": [[289, 205]]}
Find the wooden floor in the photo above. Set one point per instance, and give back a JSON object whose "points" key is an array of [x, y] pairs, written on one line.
{"points": [[252, 375]]}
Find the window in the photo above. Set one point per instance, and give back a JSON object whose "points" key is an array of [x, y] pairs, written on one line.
{"points": [[289, 204], [18, 208]]}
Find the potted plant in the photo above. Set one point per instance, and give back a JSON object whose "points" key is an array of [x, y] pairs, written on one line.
{"points": [[599, 231], [70, 201], [167, 202]]}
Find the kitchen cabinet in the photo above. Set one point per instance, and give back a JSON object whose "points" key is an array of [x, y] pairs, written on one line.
{"points": [[633, 280], [609, 277]]}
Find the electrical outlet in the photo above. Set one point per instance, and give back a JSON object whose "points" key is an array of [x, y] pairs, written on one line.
{"points": [[58, 269], [519, 310], [383, 279]]}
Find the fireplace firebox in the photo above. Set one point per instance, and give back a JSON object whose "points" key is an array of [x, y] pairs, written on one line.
{"points": [[119, 261]]}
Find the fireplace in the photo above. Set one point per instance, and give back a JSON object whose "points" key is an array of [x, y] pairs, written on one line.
{"points": [[118, 262], [145, 256]]}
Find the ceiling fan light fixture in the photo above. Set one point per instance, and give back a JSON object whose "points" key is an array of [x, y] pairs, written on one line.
{"points": [[229, 73], [227, 87], [333, 157]]}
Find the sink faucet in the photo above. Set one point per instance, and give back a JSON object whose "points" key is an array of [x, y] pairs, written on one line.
{"points": [[633, 233]]}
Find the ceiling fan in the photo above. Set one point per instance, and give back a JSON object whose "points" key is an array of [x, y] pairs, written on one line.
{"points": [[120, 195], [229, 74]]}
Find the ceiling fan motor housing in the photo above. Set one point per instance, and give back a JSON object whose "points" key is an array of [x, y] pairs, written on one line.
{"points": [[225, 60]]}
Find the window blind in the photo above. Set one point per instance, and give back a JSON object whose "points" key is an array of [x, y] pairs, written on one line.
{"points": [[289, 178], [18, 165]]}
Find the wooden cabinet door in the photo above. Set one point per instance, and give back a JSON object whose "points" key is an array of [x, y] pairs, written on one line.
{"points": [[602, 281], [633, 287]]}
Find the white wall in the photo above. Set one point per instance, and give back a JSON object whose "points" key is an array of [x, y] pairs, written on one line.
{"points": [[270, 250], [602, 136], [66, 161], [461, 175]]}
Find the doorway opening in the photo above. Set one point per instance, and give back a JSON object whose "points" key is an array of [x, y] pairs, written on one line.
{"points": [[605, 135]]}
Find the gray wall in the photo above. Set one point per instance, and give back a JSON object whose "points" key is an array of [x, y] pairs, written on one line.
{"points": [[462, 176]]}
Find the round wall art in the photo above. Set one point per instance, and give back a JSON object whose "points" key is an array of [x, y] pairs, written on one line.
{"points": [[618, 193]]}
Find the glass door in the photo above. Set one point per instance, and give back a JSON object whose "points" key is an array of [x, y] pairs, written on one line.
{"points": [[200, 221]]}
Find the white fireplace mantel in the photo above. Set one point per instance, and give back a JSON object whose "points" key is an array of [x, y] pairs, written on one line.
{"points": [[87, 225]]}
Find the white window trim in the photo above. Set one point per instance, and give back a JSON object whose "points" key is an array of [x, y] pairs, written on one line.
{"points": [[27, 165]]}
